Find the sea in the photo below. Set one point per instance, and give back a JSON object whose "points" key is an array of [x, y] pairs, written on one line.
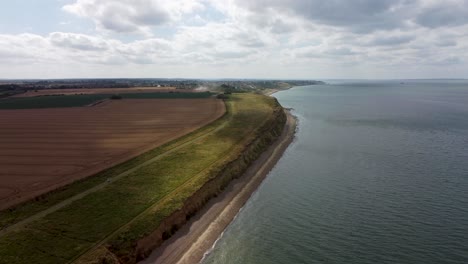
{"points": [[377, 173]]}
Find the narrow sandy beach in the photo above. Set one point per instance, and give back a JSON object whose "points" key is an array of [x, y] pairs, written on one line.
{"points": [[192, 241]]}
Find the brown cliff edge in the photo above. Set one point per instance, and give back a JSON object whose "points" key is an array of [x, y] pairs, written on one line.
{"points": [[197, 236], [189, 232]]}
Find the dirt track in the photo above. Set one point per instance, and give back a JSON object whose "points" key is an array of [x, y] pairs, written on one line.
{"points": [[43, 149]]}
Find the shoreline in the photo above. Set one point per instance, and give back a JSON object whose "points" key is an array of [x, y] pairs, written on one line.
{"points": [[197, 237]]}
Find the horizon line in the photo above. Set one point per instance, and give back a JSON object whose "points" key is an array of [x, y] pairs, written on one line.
{"points": [[221, 79]]}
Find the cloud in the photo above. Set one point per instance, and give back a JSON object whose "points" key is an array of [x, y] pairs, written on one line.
{"points": [[446, 41], [78, 41], [251, 37], [443, 14], [359, 16], [390, 40], [223, 41], [23, 48], [132, 16], [364, 16], [449, 61], [212, 44]]}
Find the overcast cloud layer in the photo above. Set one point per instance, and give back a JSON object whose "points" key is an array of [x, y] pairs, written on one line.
{"points": [[234, 38]]}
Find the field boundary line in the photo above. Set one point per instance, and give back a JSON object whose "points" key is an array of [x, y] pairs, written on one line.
{"points": [[153, 206]]}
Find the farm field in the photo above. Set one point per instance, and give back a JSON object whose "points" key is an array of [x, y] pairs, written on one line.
{"points": [[58, 101], [116, 216], [43, 92], [42, 149]]}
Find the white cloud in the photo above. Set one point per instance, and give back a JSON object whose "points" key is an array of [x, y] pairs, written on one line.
{"points": [[132, 16], [78, 41], [255, 38], [23, 48]]}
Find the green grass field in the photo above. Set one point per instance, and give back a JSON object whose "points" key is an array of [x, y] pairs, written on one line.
{"points": [[133, 206], [50, 101], [56, 101]]}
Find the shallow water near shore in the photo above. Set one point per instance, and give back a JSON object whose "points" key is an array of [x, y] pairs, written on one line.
{"points": [[378, 173]]}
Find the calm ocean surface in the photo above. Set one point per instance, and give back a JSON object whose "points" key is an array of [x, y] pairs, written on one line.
{"points": [[378, 173]]}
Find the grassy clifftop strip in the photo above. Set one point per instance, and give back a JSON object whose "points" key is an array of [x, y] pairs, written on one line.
{"points": [[113, 224]]}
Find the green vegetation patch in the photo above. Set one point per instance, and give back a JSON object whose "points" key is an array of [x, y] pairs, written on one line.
{"points": [[51, 101], [145, 196], [58, 101]]}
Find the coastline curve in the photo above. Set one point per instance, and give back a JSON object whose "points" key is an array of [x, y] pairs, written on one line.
{"points": [[198, 236]]}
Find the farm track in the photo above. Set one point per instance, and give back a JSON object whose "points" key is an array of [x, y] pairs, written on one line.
{"points": [[158, 204], [104, 184]]}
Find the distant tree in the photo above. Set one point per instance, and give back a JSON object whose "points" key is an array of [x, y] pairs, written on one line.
{"points": [[226, 88], [116, 97], [222, 96]]}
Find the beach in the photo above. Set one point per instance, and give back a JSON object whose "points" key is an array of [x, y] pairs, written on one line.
{"points": [[194, 239]]}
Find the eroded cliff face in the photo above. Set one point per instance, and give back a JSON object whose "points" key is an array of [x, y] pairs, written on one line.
{"points": [[223, 175]]}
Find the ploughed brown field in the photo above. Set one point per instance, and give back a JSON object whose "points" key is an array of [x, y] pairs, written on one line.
{"points": [[42, 149], [43, 92]]}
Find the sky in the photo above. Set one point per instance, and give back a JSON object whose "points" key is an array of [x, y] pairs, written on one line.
{"points": [[279, 39]]}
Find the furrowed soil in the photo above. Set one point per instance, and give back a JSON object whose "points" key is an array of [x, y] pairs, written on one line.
{"points": [[43, 149]]}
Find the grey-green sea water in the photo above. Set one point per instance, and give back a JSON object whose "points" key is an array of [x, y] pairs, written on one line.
{"points": [[378, 173]]}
